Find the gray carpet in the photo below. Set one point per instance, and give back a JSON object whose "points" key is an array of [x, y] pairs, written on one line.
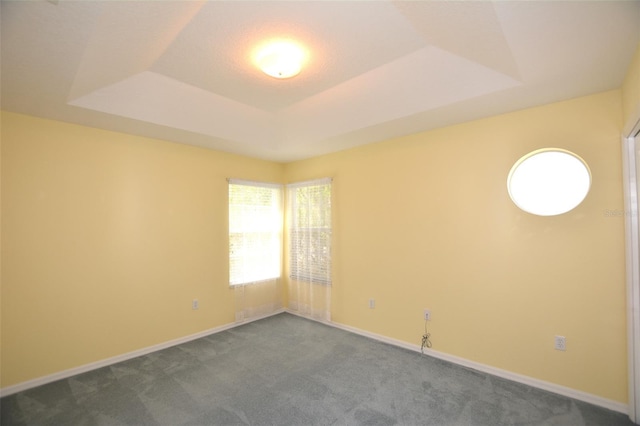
{"points": [[286, 370]]}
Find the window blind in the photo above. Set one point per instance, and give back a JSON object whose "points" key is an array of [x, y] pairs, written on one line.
{"points": [[309, 212], [255, 231]]}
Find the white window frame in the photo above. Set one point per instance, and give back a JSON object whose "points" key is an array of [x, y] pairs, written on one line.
{"points": [[315, 273], [255, 228]]}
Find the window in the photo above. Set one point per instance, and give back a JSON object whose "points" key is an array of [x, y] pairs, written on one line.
{"points": [[549, 182], [309, 210], [255, 231]]}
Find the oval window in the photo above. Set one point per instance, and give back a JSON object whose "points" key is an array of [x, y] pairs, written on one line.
{"points": [[549, 182]]}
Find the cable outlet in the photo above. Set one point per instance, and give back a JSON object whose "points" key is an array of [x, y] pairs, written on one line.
{"points": [[427, 314], [560, 343], [195, 304], [372, 303]]}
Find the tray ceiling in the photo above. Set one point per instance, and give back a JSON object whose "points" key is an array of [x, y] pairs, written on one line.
{"points": [[183, 70]]}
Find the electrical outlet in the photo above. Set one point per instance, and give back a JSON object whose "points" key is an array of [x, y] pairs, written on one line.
{"points": [[195, 304], [372, 303], [560, 343], [427, 314]]}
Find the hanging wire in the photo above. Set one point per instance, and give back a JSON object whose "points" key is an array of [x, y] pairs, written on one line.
{"points": [[425, 338]]}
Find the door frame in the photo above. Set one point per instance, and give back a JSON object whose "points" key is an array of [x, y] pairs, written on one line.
{"points": [[630, 145]]}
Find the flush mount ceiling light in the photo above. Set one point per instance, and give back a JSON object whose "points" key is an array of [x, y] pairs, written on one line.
{"points": [[549, 182], [281, 59]]}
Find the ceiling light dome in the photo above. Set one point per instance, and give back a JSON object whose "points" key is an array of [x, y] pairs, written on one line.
{"points": [[281, 59]]}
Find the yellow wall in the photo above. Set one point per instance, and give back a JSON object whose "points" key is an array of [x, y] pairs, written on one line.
{"points": [[106, 239], [425, 221], [631, 92]]}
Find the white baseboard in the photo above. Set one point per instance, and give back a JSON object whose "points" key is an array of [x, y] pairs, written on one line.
{"points": [[9, 390], [541, 384], [536, 383]]}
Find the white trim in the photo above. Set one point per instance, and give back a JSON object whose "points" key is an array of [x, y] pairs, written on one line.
{"points": [[256, 318], [233, 181], [313, 182], [632, 128], [530, 381], [551, 387], [9, 390], [632, 257], [321, 321]]}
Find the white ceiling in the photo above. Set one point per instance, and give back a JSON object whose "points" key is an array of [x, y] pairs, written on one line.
{"points": [[183, 70]]}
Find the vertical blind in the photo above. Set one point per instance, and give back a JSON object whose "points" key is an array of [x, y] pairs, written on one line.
{"points": [[309, 211], [255, 231]]}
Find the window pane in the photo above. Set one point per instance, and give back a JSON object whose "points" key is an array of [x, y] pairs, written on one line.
{"points": [[255, 232], [310, 232]]}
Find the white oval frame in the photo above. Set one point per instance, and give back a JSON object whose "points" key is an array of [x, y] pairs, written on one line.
{"points": [[549, 182]]}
